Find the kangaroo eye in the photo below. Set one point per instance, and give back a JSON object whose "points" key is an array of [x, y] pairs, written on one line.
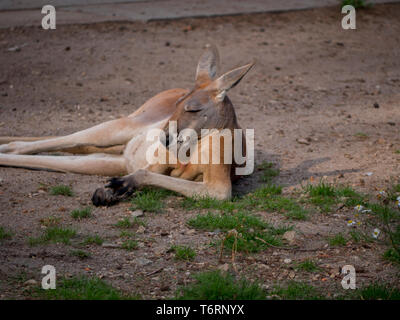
{"points": [[193, 108]]}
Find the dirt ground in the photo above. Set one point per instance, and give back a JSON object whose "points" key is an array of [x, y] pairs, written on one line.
{"points": [[339, 90]]}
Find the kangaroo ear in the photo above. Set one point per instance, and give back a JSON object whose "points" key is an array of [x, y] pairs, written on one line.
{"points": [[229, 80], [207, 66]]}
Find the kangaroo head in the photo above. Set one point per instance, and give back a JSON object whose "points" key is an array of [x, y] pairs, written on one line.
{"points": [[207, 106]]}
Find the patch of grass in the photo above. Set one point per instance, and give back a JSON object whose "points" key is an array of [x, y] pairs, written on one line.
{"points": [[287, 206], [268, 190], [392, 255], [124, 223], [184, 253], [358, 236], [397, 151], [357, 4], [130, 245], [81, 213], [214, 285], [268, 198], [80, 254], [93, 240], [50, 221], [55, 235], [384, 212], [377, 291], [337, 240], [83, 288], [62, 190], [4, 234], [361, 135], [191, 203], [308, 266], [254, 234], [297, 291], [150, 199], [325, 195], [126, 234], [127, 223], [268, 171]]}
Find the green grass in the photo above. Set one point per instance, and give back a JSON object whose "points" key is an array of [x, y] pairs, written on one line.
{"points": [[81, 213], [325, 195], [308, 266], [378, 291], [361, 135], [297, 291], [191, 203], [80, 254], [55, 235], [150, 199], [358, 236], [124, 223], [93, 240], [126, 234], [397, 151], [50, 221], [4, 234], [183, 252], [83, 288], [62, 190], [130, 245], [215, 285], [357, 4], [267, 197], [127, 223], [254, 234], [392, 255], [267, 171], [337, 240]]}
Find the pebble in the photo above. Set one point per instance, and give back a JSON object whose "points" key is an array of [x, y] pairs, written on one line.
{"points": [[287, 260], [30, 282], [142, 262], [137, 213], [303, 141], [224, 267], [289, 236]]}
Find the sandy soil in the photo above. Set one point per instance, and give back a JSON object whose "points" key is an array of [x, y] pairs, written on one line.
{"points": [[312, 81]]}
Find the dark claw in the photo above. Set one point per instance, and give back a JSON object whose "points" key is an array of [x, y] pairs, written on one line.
{"points": [[103, 197], [115, 183], [116, 190]]}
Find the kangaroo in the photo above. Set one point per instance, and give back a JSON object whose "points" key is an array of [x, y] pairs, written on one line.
{"points": [[118, 147]]}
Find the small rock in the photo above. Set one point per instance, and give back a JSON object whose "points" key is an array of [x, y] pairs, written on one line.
{"points": [[142, 262], [164, 288], [289, 236], [287, 260], [137, 213], [191, 231], [30, 282], [303, 141], [224, 267], [141, 229]]}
